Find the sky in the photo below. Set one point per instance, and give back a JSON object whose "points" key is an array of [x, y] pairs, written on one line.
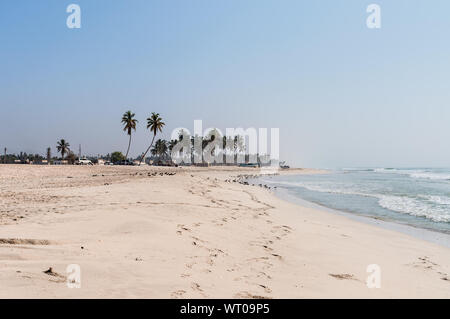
{"points": [[341, 94]]}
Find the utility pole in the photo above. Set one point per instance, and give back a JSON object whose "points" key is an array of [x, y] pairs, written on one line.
{"points": [[79, 152]]}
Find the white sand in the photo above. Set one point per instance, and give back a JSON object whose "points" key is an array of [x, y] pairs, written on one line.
{"points": [[193, 235]]}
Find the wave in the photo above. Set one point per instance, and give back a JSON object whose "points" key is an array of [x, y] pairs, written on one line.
{"points": [[386, 170], [321, 189], [441, 200], [416, 173], [430, 175], [414, 207], [352, 169], [433, 207]]}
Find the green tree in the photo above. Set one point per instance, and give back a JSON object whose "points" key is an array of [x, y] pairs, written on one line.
{"points": [[160, 148], [71, 158], [155, 124], [117, 157], [129, 123], [63, 147]]}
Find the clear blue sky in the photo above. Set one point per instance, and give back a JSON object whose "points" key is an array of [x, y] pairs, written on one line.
{"points": [[342, 95]]}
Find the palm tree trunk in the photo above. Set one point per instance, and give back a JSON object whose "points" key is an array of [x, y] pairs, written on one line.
{"points": [[148, 149], [129, 144]]}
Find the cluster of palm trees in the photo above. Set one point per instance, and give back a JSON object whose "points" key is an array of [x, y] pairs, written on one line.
{"points": [[162, 147], [231, 145]]}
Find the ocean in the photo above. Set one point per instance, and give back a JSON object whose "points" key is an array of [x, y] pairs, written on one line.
{"points": [[418, 197]]}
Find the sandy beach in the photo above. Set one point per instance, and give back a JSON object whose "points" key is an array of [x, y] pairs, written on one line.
{"points": [[149, 232]]}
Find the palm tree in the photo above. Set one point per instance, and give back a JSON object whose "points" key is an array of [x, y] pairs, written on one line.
{"points": [[155, 124], [49, 155], [63, 147], [129, 124], [228, 148], [160, 148]]}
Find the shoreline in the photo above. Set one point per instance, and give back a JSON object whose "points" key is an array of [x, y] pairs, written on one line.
{"points": [[422, 233], [430, 235], [155, 232]]}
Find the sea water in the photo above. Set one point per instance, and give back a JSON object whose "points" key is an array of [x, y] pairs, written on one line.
{"points": [[418, 197]]}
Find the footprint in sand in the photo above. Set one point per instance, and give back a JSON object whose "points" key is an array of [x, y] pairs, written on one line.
{"points": [[196, 287], [247, 295], [190, 265], [266, 289], [183, 227], [277, 256], [196, 239], [263, 274], [19, 241], [58, 278], [281, 230], [423, 262], [343, 276], [178, 293]]}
